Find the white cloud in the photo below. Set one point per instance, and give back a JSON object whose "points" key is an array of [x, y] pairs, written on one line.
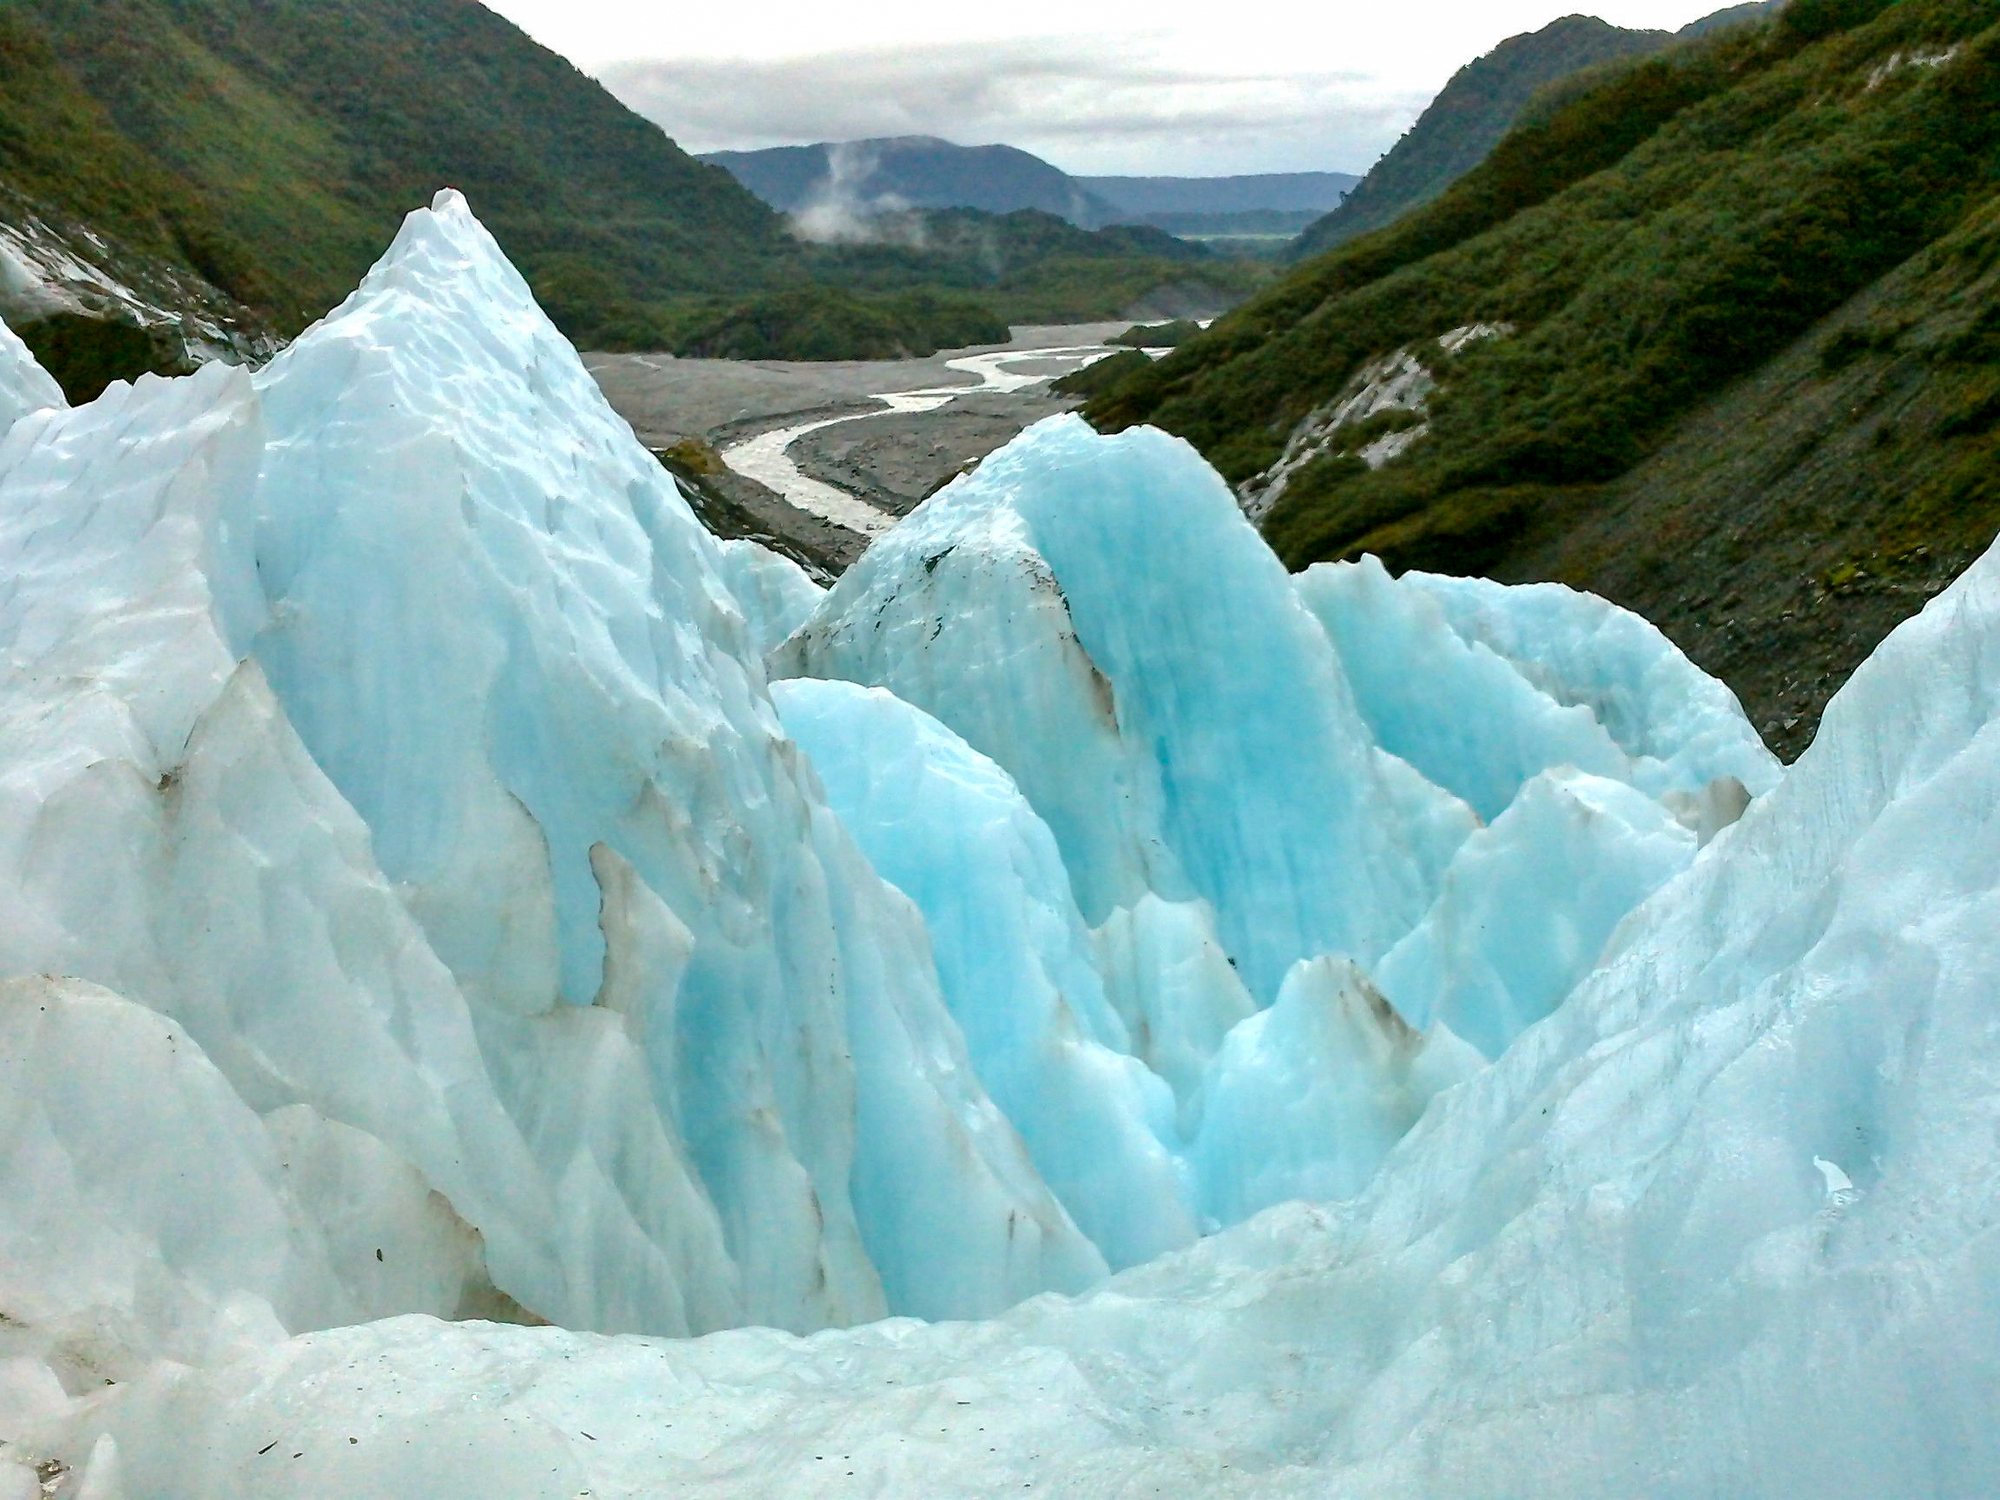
{"points": [[1109, 86], [1095, 111]]}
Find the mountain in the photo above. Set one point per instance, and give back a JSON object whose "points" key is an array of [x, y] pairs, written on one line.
{"points": [[182, 178], [1288, 192], [1467, 119], [1717, 337], [270, 145], [848, 179], [918, 171], [1735, 15], [1262, 204]]}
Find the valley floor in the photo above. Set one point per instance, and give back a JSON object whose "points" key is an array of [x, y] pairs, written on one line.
{"points": [[891, 461]]}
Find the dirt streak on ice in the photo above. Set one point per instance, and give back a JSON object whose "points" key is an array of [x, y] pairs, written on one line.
{"points": [[767, 459]]}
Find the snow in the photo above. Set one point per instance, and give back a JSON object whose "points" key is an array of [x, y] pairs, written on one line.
{"points": [[423, 918]]}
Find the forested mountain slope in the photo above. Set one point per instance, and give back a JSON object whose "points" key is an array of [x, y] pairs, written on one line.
{"points": [[1467, 119], [236, 163], [279, 142], [1742, 286]]}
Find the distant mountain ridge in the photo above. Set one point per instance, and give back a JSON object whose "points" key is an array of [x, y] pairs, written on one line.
{"points": [[910, 172], [1282, 192], [928, 172], [1482, 102]]}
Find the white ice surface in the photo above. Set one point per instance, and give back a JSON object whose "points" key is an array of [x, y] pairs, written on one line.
{"points": [[1613, 1262], [24, 385], [1481, 686], [775, 593], [439, 899], [1095, 615]]}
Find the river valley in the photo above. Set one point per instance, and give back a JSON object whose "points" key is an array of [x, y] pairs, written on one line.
{"points": [[817, 458]]}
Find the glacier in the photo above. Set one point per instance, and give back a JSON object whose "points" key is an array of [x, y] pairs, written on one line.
{"points": [[1069, 1006]]}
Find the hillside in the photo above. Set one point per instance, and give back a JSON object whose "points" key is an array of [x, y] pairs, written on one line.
{"points": [[228, 168], [294, 134], [1465, 122], [1742, 373]]}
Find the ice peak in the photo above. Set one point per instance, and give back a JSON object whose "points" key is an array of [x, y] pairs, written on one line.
{"points": [[24, 385]]}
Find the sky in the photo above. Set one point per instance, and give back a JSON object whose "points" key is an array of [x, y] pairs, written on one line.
{"points": [[1099, 87]]}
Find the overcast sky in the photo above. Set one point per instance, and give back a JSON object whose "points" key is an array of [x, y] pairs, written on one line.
{"points": [[1096, 86]]}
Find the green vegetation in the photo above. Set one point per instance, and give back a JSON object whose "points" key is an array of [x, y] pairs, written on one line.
{"points": [[271, 147], [296, 134], [1662, 240], [824, 323], [1480, 104], [1158, 335], [86, 354], [1101, 375]]}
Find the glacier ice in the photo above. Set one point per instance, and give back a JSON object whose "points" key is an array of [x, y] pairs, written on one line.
{"points": [[949, 829], [776, 594], [234, 793], [408, 861], [1609, 1262], [1495, 954], [1094, 614], [1482, 686], [24, 385], [1306, 1098]]}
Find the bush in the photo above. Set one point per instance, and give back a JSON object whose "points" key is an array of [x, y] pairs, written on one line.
{"points": [[821, 323]]}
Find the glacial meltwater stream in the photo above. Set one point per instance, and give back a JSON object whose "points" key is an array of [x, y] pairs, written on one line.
{"points": [[767, 458]]}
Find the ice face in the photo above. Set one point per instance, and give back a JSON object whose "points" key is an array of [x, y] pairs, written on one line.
{"points": [[442, 894], [24, 385], [1616, 1251], [1095, 615], [776, 593], [1305, 1099], [1528, 904], [948, 827], [1482, 686]]}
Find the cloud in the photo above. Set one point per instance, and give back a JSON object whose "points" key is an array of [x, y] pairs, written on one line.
{"points": [[1098, 107]]}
